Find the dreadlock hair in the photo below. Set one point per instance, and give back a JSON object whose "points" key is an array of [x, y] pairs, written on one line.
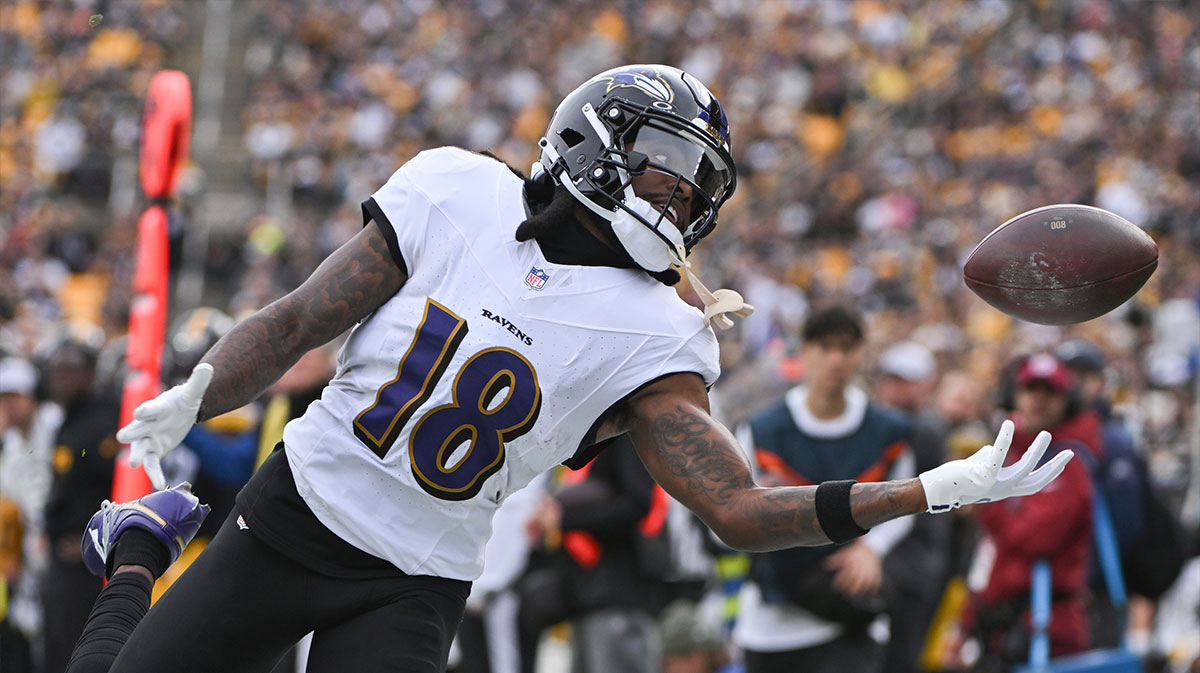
{"points": [[552, 206]]}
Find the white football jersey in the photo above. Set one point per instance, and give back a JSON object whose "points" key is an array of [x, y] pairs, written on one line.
{"points": [[487, 368]]}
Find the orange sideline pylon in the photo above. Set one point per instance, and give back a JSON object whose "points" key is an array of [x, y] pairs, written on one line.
{"points": [[165, 134]]}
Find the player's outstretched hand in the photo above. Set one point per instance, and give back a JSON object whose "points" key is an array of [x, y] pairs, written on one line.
{"points": [[982, 477], [160, 424]]}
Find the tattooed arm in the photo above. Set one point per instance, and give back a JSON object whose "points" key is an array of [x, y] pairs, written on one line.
{"points": [[351, 283], [698, 462]]}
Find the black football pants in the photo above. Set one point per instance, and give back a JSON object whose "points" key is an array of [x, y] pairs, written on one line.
{"points": [[241, 605]]}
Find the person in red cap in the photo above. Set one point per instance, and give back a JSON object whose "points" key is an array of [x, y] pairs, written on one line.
{"points": [[1055, 524]]}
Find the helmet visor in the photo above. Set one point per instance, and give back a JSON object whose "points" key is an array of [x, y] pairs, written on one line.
{"points": [[682, 153]]}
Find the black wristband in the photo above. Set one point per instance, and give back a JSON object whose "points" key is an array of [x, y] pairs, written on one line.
{"points": [[833, 511]]}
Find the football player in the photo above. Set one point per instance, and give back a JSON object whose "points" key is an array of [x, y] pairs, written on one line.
{"points": [[501, 326]]}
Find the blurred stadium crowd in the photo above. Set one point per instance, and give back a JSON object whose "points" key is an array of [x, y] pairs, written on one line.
{"points": [[876, 143]]}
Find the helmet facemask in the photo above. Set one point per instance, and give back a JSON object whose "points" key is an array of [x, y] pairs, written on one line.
{"points": [[697, 174], [682, 165]]}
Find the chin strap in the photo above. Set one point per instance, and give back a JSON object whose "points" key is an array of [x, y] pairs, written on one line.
{"points": [[658, 249], [716, 304]]}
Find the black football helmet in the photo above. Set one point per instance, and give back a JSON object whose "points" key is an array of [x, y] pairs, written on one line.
{"points": [[190, 337], [639, 118]]}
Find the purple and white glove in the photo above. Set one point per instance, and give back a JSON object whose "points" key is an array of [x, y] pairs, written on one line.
{"points": [[160, 424], [982, 477]]}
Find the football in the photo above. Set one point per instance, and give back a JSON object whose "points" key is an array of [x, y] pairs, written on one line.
{"points": [[1061, 264]]}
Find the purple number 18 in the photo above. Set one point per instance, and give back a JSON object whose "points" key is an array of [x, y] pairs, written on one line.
{"points": [[474, 416]]}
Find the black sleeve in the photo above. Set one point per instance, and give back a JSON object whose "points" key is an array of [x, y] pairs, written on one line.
{"points": [[589, 448], [372, 211]]}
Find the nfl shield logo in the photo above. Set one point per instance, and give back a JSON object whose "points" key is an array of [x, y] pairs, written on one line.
{"points": [[536, 278]]}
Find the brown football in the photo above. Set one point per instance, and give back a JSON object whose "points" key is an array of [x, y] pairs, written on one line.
{"points": [[1061, 264]]}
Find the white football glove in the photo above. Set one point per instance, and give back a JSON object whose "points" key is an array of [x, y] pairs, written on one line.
{"points": [[160, 424], [981, 477]]}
